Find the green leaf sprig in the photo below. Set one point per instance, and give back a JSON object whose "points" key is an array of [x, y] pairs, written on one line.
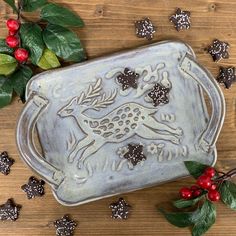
{"points": [[48, 42], [204, 215]]}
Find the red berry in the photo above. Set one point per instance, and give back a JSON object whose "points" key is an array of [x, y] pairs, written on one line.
{"points": [[210, 171], [12, 41], [21, 55], [213, 187], [185, 193], [13, 25], [213, 195], [204, 181], [194, 187], [197, 193]]}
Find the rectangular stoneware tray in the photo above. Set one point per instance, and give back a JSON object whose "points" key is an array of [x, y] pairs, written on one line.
{"points": [[120, 123]]}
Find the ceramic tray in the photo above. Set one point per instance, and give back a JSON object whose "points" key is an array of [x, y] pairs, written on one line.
{"points": [[121, 122]]}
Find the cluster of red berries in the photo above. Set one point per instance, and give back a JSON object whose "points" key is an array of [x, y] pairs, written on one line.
{"points": [[13, 41], [204, 183]]}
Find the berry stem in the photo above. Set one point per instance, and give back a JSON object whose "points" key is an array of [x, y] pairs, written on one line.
{"points": [[226, 176], [221, 172], [20, 7], [19, 16]]}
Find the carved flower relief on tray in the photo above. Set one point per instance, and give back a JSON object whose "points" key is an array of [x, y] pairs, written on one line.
{"points": [[140, 79], [157, 150]]}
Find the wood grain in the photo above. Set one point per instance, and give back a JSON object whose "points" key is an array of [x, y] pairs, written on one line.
{"points": [[109, 28]]}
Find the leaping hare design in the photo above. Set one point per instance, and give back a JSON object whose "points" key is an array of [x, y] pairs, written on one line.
{"points": [[120, 124]]}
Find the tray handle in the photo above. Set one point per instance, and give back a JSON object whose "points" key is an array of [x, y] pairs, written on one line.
{"points": [[204, 78], [25, 142]]}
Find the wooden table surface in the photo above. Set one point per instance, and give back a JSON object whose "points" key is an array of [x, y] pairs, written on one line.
{"points": [[109, 28]]}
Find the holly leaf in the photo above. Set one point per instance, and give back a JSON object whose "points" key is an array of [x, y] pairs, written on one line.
{"points": [[48, 60], [32, 5], [18, 81], [228, 194], [207, 219], [201, 219], [11, 3], [182, 219], [54, 13], [31, 37], [4, 48], [194, 168], [64, 43], [5, 94], [187, 203], [8, 64]]}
